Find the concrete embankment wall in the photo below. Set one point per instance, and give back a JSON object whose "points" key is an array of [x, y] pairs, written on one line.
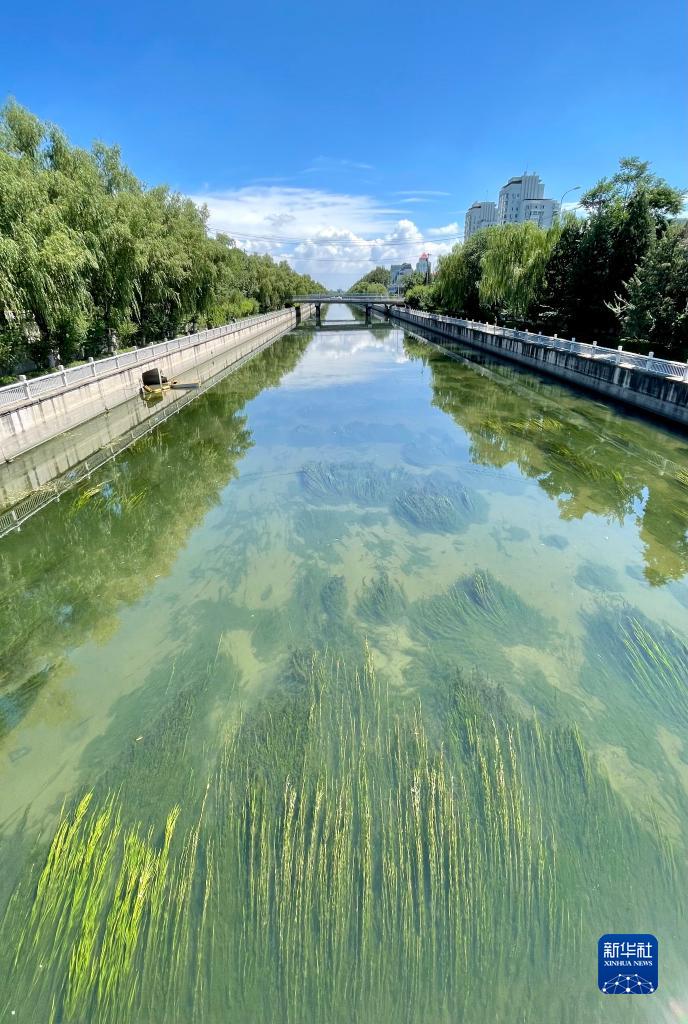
{"points": [[35, 411], [588, 368]]}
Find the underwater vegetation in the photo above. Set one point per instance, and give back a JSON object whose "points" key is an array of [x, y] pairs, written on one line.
{"points": [[435, 503], [361, 482], [339, 863], [421, 455], [556, 541], [627, 650], [592, 576], [440, 506], [480, 608], [320, 529], [14, 704], [334, 599], [382, 600], [317, 616]]}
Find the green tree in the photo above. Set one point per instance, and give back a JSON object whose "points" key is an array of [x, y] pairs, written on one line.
{"points": [[653, 311], [458, 278], [379, 277], [595, 257], [88, 252], [513, 268], [420, 296]]}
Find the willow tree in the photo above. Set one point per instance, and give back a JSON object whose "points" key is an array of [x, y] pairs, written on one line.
{"points": [[89, 253], [513, 268], [458, 277]]}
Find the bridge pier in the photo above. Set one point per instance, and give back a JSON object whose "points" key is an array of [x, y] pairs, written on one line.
{"points": [[367, 319], [318, 321]]}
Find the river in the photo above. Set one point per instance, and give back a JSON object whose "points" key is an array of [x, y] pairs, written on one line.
{"points": [[356, 691]]}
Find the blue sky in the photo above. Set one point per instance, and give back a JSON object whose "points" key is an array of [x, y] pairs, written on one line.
{"points": [[312, 130]]}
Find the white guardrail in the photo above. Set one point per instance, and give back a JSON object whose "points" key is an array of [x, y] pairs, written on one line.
{"points": [[38, 387], [13, 518], [629, 360]]}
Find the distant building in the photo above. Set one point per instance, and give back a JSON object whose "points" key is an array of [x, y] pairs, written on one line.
{"points": [[480, 215], [398, 272], [521, 199], [423, 266]]}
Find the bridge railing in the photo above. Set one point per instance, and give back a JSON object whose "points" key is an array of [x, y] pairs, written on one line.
{"points": [[630, 360], [354, 297], [37, 387]]}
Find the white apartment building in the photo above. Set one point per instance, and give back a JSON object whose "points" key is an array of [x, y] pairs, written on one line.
{"points": [[523, 198], [480, 215]]}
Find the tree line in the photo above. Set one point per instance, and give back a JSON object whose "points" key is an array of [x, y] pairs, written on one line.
{"points": [[92, 259], [375, 282], [619, 273]]}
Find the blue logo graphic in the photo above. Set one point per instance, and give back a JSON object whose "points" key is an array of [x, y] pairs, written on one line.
{"points": [[627, 965]]}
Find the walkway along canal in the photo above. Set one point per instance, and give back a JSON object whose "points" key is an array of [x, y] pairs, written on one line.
{"points": [[356, 690]]}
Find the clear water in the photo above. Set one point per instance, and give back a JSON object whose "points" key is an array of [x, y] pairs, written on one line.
{"points": [[402, 633]]}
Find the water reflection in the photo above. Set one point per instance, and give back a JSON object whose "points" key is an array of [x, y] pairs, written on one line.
{"points": [[65, 577], [584, 456]]}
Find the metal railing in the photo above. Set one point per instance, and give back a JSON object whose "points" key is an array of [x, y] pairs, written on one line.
{"points": [[355, 297], [38, 387], [619, 356]]}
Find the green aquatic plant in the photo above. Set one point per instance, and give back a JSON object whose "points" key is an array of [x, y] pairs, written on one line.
{"points": [[362, 482], [270, 631], [349, 857], [425, 508], [628, 649], [333, 597], [593, 576], [382, 600], [15, 703], [440, 505], [421, 455], [320, 529], [479, 611]]}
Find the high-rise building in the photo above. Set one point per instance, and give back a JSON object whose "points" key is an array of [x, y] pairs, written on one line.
{"points": [[521, 199], [423, 266], [480, 215], [398, 272]]}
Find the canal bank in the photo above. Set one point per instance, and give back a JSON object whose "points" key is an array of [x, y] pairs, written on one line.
{"points": [[35, 411], [653, 386]]}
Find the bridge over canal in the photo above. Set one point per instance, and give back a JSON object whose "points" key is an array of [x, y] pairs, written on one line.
{"points": [[353, 299]]}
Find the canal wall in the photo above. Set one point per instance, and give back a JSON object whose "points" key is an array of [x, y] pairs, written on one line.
{"points": [[35, 411], [655, 386]]}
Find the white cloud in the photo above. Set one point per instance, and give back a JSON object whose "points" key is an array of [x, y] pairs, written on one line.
{"points": [[421, 192], [329, 163], [335, 237], [448, 229]]}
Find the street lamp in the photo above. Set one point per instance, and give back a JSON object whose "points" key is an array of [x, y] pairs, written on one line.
{"points": [[561, 201]]}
